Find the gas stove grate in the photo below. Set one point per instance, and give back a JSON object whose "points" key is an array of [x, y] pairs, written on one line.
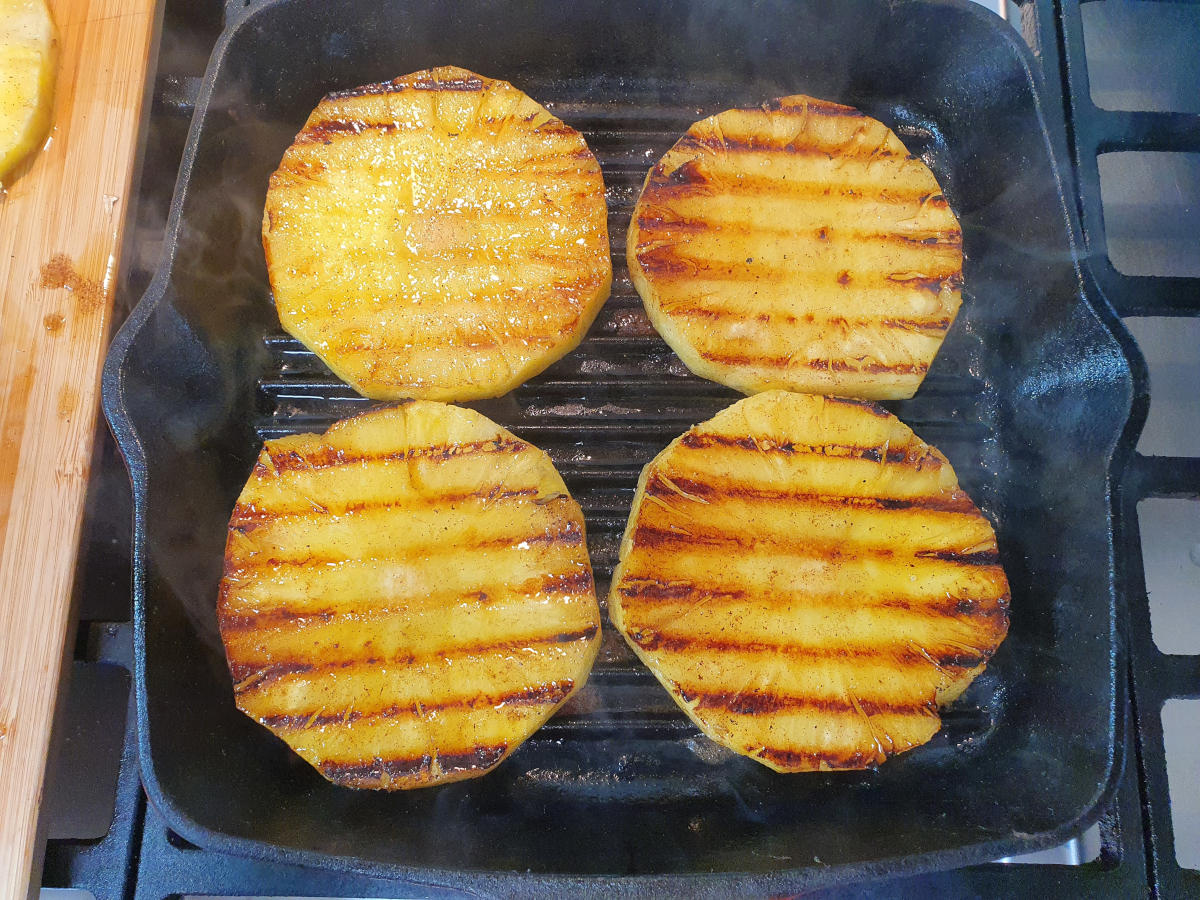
{"points": [[1155, 676]]}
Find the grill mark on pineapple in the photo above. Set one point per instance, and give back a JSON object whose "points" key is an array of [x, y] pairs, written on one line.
{"points": [[799, 105], [935, 284], [371, 773], [667, 262], [791, 759], [326, 130], [983, 609], [634, 589], [564, 585], [657, 227], [913, 456], [820, 365], [692, 180], [650, 538], [731, 151], [252, 676], [754, 703], [929, 327], [304, 161], [461, 80], [247, 517], [984, 558], [258, 675], [569, 536], [865, 405], [902, 655], [653, 593], [718, 489], [714, 313], [425, 80], [547, 694], [326, 456]]}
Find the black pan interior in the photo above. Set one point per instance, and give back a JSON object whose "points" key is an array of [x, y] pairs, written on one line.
{"points": [[1027, 399]]}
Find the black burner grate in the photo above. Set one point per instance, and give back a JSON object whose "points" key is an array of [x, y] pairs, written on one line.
{"points": [[1155, 677]]}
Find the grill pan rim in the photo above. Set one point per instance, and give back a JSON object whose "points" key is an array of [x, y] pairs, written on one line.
{"points": [[126, 434]]}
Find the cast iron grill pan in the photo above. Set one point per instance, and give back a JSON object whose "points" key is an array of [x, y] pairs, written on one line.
{"points": [[1026, 398]]}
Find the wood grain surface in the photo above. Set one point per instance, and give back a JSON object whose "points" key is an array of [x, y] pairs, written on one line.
{"points": [[60, 233]]}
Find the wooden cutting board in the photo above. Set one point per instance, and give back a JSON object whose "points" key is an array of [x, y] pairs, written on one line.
{"points": [[60, 234]]}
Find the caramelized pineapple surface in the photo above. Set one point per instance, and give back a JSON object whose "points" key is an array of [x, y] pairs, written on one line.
{"points": [[440, 236], [807, 579], [798, 246], [406, 597]]}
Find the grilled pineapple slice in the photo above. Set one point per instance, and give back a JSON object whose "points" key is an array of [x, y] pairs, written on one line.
{"points": [[28, 52], [441, 236], [806, 578], [797, 245], [406, 597]]}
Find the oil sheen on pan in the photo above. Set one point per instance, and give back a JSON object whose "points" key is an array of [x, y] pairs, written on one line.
{"points": [[440, 236], [799, 246], [407, 597], [807, 579]]}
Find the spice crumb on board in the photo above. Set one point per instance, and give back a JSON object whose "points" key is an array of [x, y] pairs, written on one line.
{"points": [[60, 272]]}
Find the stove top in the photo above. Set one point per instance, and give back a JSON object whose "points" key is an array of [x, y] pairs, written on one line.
{"points": [[1129, 81]]}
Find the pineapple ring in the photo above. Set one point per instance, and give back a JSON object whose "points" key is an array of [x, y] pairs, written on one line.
{"points": [[28, 53], [797, 246], [441, 236], [806, 578], [407, 597]]}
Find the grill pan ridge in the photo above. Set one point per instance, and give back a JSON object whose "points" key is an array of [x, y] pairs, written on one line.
{"points": [[1027, 398]]}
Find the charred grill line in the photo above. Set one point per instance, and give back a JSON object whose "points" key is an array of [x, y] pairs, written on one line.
{"points": [[690, 180], [570, 536], [327, 456], [657, 590], [650, 593], [665, 261], [701, 441], [937, 327], [832, 365], [953, 503], [652, 537], [547, 694], [565, 585], [933, 283], [794, 759], [866, 405], [756, 703], [324, 131], [460, 83], [902, 655], [732, 146], [246, 515], [976, 558]]}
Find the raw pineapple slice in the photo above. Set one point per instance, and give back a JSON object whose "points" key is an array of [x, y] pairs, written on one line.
{"points": [[28, 52], [406, 597], [806, 578], [441, 236], [797, 245]]}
